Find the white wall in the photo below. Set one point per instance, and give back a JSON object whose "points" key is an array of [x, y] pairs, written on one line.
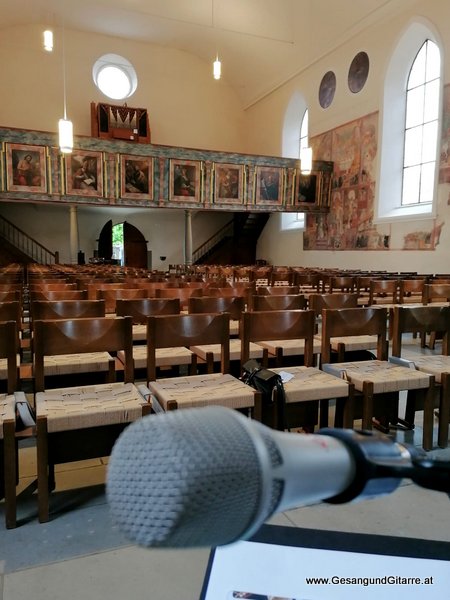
{"points": [[186, 106], [264, 123], [162, 228]]}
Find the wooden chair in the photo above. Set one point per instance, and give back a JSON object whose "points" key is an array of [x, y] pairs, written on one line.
{"points": [[183, 294], [308, 283], [141, 308], [77, 423], [383, 292], [436, 293], [281, 277], [210, 354], [283, 350], [345, 346], [411, 291], [423, 320], [12, 311], [317, 302], [171, 358], [278, 290], [60, 295], [342, 283], [308, 385], [377, 380], [8, 444], [197, 390], [279, 302], [111, 296], [44, 310]]}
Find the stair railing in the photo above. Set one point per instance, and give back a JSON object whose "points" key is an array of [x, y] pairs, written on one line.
{"points": [[26, 244]]}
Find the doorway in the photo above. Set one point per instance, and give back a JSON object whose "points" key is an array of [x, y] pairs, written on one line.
{"points": [[123, 242]]}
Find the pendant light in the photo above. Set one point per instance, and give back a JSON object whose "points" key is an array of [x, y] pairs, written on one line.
{"points": [[48, 40], [217, 68], [65, 126]]}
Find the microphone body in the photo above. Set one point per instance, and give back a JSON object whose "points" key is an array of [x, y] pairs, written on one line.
{"points": [[210, 476]]}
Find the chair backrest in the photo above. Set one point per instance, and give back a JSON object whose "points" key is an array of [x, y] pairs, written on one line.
{"points": [[44, 310], [342, 283], [308, 281], [72, 336], [411, 288], [183, 294], [12, 311], [281, 277], [383, 291], [278, 290], [141, 308], [60, 295], [169, 331], [8, 350], [212, 304], [420, 319], [342, 322], [10, 296], [317, 302], [278, 325], [436, 292], [279, 302], [52, 287], [111, 296], [92, 288]]}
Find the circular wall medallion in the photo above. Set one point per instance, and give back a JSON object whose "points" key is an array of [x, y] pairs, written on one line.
{"points": [[358, 72], [327, 89]]}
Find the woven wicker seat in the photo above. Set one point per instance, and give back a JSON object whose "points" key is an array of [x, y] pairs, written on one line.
{"points": [[80, 422]]}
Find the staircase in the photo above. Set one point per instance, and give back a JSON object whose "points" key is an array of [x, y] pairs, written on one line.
{"points": [[235, 242], [17, 246]]}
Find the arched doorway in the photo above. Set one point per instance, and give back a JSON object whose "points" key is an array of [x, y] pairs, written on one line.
{"points": [[134, 245]]}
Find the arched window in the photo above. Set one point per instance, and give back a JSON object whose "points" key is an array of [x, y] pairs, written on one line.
{"points": [[421, 128], [294, 139], [410, 122]]}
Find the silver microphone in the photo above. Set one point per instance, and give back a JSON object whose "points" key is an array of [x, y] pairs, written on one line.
{"points": [[210, 476]]}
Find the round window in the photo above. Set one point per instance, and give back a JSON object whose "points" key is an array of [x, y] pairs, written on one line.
{"points": [[114, 76]]}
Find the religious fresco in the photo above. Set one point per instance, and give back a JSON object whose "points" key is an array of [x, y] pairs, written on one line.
{"points": [[349, 224], [444, 160], [423, 240]]}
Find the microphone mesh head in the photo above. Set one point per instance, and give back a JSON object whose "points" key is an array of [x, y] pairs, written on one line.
{"points": [[186, 478]]}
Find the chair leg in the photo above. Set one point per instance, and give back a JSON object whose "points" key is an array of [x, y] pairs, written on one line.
{"points": [[428, 406], [10, 471], [367, 405], [444, 411], [42, 470]]}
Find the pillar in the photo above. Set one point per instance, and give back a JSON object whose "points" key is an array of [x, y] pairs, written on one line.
{"points": [[74, 239], [187, 238]]}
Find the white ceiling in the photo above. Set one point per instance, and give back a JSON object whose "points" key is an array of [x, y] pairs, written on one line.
{"points": [[261, 43]]}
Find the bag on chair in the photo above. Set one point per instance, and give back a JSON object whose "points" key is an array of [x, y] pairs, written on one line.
{"points": [[267, 382]]}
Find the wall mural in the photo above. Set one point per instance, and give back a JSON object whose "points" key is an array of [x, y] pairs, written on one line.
{"points": [[349, 225]]}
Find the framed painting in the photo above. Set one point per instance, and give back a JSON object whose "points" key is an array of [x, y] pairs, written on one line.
{"points": [[26, 168], [228, 183], [269, 185], [185, 181], [84, 173], [136, 177], [307, 190]]}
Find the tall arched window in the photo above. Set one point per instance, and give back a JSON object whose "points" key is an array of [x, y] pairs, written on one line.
{"points": [[409, 126], [295, 137], [421, 128]]}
